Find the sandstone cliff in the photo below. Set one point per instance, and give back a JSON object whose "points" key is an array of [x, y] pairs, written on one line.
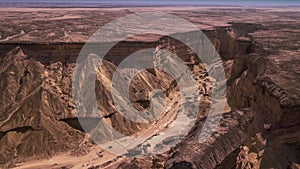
{"points": [[259, 129]]}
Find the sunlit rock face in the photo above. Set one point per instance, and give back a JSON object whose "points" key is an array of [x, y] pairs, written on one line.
{"points": [[260, 127]]}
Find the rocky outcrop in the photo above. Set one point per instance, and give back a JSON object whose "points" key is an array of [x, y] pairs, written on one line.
{"points": [[224, 143], [37, 106], [260, 130], [30, 112], [259, 81]]}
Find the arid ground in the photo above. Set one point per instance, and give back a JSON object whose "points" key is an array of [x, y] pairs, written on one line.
{"points": [[260, 125]]}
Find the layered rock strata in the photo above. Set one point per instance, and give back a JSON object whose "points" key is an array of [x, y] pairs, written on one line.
{"points": [[37, 113]]}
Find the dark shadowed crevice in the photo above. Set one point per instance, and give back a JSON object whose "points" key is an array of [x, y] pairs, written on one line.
{"points": [[171, 87], [83, 124], [2, 134], [181, 165], [152, 71], [23, 129], [109, 115], [144, 103]]}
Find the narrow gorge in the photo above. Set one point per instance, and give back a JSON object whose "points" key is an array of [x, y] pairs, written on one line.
{"points": [[260, 125]]}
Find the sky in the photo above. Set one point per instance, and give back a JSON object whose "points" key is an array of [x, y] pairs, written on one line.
{"points": [[173, 2]]}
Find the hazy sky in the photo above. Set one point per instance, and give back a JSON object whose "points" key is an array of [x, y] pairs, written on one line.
{"points": [[200, 2]]}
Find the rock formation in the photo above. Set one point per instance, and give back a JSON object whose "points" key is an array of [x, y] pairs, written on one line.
{"points": [[260, 128]]}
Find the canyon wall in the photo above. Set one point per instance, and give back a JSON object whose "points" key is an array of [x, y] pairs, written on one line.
{"points": [[260, 130]]}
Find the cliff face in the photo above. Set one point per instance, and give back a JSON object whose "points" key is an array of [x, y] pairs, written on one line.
{"points": [[262, 81], [38, 117], [259, 87], [31, 110], [259, 129]]}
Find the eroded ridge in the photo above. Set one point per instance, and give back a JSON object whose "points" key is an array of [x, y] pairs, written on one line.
{"points": [[259, 128]]}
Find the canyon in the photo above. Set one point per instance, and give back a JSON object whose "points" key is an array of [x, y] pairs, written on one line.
{"points": [[260, 125]]}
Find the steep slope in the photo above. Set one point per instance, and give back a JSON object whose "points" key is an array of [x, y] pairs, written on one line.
{"points": [[260, 55], [29, 125]]}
